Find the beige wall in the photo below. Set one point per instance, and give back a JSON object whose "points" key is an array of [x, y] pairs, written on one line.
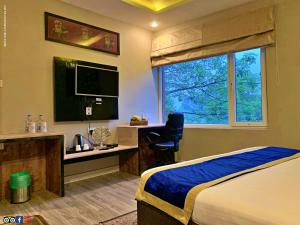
{"points": [[1, 57], [283, 79], [26, 67]]}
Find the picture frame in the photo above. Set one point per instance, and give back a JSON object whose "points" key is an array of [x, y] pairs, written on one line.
{"points": [[71, 32]]}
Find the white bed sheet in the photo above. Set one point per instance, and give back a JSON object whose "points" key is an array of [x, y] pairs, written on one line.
{"points": [[266, 197]]}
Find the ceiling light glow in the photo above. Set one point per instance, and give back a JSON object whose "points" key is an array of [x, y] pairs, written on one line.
{"points": [[155, 6], [154, 24]]}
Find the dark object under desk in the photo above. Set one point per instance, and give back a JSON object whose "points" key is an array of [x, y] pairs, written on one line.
{"points": [[149, 215], [136, 135]]}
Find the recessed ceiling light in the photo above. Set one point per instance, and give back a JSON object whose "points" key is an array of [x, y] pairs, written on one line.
{"points": [[154, 24], [155, 6]]}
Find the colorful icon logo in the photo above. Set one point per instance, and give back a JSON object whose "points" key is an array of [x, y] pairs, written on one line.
{"points": [[19, 219], [27, 219]]}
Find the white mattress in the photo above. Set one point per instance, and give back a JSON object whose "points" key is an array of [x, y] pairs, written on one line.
{"points": [[266, 197]]}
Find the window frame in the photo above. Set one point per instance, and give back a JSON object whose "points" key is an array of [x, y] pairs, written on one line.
{"points": [[232, 123]]}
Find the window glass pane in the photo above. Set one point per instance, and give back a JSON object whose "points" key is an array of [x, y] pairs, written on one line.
{"points": [[198, 89], [248, 89]]}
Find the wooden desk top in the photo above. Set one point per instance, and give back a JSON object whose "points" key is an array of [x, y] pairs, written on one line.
{"points": [[142, 126], [99, 152], [28, 135]]}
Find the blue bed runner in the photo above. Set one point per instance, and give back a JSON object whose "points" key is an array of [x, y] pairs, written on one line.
{"points": [[173, 185]]}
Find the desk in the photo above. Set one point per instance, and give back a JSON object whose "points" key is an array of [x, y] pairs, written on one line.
{"points": [[135, 135], [40, 153], [127, 157], [134, 154]]}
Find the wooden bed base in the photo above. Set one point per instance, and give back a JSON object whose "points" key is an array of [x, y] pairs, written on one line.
{"points": [[149, 215]]}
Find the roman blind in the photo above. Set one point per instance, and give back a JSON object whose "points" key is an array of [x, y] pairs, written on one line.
{"points": [[250, 30]]}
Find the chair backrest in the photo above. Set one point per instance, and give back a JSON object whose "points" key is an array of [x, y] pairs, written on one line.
{"points": [[174, 126]]}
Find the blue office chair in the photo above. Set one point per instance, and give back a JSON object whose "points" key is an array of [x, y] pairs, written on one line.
{"points": [[167, 143]]}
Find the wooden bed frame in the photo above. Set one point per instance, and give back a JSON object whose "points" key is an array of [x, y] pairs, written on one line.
{"points": [[149, 215]]}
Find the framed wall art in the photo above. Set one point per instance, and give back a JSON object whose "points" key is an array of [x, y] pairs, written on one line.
{"points": [[71, 32]]}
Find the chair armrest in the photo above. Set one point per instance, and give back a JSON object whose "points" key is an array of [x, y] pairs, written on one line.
{"points": [[154, 134], [151, 136]]}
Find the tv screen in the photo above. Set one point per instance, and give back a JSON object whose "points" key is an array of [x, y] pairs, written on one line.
{"points": [[71, 107], [98, 82]]}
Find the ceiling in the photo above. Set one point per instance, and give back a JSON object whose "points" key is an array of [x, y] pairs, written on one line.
{"points": [[142, 17]]}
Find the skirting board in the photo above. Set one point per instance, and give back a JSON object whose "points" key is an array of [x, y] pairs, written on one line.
{"points": [[91, 174]]}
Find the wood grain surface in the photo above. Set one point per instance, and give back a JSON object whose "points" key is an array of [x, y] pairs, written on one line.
{"points": [[85, 203], [40, 155]]}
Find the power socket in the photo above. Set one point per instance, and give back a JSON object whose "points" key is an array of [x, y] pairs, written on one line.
{"points": [[88, 111]]}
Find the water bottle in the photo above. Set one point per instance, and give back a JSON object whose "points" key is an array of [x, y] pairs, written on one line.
{"points": [[32, 127], [27, 122], [41, 124]]}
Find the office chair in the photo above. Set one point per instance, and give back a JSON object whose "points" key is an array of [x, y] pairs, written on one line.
{"points": [[167, 143]]}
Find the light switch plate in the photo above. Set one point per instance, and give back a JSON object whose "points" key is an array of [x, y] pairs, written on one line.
{"points": [[1, 83]]}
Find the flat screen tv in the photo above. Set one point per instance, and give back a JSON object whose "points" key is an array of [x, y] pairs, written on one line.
{"points": [[93, 80], [97, 82]]}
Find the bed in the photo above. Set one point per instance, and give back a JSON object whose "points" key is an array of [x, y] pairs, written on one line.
{"points": [[265, 197]]}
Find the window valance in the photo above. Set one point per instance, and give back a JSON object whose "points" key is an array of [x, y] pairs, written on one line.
{"points": [[250, 30]]}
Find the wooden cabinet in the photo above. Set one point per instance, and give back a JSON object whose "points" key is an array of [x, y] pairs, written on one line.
{"points": [[40, 154], [136, 135], [129, 162]]}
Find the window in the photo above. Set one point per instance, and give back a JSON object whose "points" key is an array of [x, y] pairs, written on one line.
{"points": [[221, 90], [248, 86], [198, 89]]}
